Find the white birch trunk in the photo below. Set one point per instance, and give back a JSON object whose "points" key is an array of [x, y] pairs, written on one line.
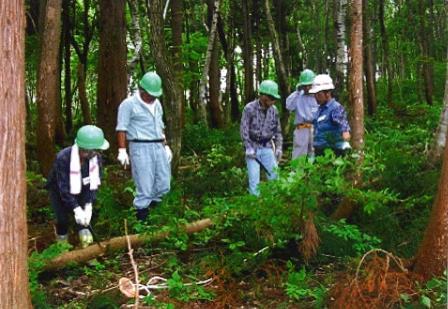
{"points": [[206, 69]]}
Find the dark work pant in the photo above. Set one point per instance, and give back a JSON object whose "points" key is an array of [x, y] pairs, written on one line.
{"points": [[62, 212]]}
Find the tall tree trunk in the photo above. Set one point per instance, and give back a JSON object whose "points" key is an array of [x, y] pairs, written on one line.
{"points": [[47, 85], [177, 21], [387, 70], [172, 91], [279, 64], [67, 67], [214, 78], [439, 143], [424, 46], [82, 93], [341, 49], [347, 206], [112, 75], [14, 292], [432, 255], [356, 76], [369, 66], [257, 11], [249, 93], [208, 57], [136, 35]]}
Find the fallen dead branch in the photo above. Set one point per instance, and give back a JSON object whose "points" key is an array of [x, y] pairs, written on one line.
{"points": [[117, 243]]}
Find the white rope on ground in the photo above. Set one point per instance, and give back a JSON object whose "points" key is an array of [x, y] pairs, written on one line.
{"points": [[128, 288]]}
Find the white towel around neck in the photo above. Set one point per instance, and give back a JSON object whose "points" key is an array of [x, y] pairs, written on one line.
{"points": [[75, 172]]}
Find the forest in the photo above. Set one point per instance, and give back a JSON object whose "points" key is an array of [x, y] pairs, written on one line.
{"points": [[367, 229]]}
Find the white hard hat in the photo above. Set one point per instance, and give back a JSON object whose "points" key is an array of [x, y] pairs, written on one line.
{"points": [[321, 82]]}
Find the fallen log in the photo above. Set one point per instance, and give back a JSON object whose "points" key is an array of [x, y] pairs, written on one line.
{"points": [[117, 243]]}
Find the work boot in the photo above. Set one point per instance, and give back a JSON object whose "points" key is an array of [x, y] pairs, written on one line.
{"points": [[142, 214], [85, 237]]}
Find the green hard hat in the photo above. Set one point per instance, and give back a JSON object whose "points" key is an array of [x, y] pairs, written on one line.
{"points": [[91, 137], [152, 84], [306, 78], [269, 87]]}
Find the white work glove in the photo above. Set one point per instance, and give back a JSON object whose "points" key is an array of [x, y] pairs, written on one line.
{"points": [[278, 154], [250, 153], [88, 212], [80, 216], [85, 237], [169, 153], [343, 145], [123, 157]]}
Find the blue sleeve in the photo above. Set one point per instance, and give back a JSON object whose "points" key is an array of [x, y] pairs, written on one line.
{"points": [[123, 116], [339, 116]]}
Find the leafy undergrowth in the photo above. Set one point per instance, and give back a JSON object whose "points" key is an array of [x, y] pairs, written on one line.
{"points": [[281, 250]]}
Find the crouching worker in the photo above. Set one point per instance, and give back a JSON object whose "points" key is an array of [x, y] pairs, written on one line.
{"points": [[74, 180]]}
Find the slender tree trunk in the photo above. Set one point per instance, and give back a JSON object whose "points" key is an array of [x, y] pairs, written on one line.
{"points": [[432, 255], [177, 21], [441, 133], [14, 292], [82, 65], [208, 58], [279, 64], [387, 70], [341, 50], [424, 46], [369, 66], [249, 93], [112, 74], [67, 67], [47, 85], [172, 91], [214, 78], [257, 11], [136, 35]]}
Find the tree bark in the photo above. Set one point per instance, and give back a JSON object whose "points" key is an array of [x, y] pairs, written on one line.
{"points": [[279, 65], [177, 21], [424, 46], [341, 49], [48, 85], [214, 77], [117, 243], [208, 57], [387, 70], [249, 93], [172, 97], [345, 209], [67, 67], [82, 65], [14, 291], [369, 66], [136, 35], [432, 255], [112, 75]]}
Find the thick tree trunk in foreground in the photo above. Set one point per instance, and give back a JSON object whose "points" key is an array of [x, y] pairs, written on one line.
{"points": [[13, 230], [172, 94], [117, 243], [112, 75], [347, 206], [432, 255], [48, 85]]}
